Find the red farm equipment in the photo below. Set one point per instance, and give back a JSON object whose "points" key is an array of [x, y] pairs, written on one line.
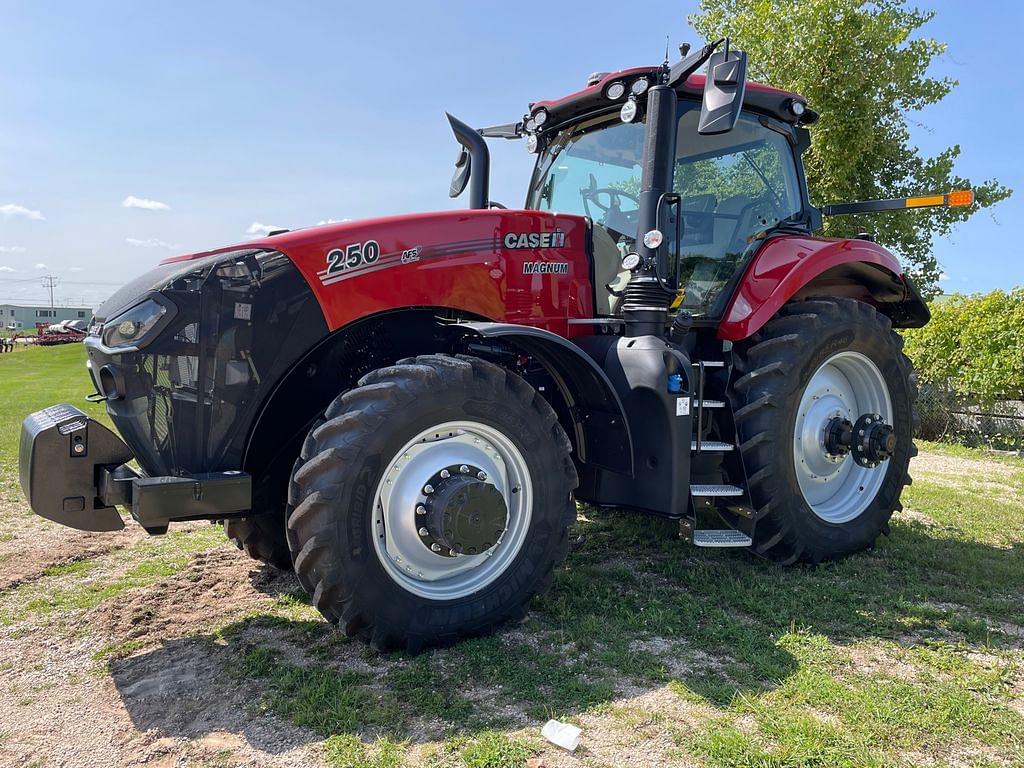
{"points": [[406, 409]]}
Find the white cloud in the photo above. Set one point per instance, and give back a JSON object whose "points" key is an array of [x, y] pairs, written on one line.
{"points": [[10, 209], [12, 249], [8, 269], [943, 277], [149, 242], [76, 269], [145, 203], [40, 265], [256, 228]]}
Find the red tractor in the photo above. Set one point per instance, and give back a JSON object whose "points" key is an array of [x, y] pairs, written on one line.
{"points": [[406, 409]]}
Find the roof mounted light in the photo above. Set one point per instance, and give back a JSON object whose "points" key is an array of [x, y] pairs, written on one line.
{"points": [[639, 86], [616, 90], [531, 125], [532, 143], [540, 117], [629, 111], [797, 107]]}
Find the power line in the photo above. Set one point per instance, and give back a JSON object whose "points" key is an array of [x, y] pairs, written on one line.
{"points": [[50, 282]]}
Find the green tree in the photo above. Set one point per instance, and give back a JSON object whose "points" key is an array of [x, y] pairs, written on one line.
{"points": [[864, 68]]}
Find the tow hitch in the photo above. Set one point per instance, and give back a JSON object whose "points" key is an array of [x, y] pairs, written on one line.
{"points": [[74, 471]]}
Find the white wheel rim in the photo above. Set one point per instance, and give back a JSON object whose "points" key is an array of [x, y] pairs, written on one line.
{"points": [[397, 541], [836, 488]]}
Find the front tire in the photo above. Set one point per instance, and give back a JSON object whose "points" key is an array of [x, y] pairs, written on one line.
{"points": [[817, 360], [358, 509]]}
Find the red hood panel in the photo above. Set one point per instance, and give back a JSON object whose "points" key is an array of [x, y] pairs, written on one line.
{"points": [[527, 267]]}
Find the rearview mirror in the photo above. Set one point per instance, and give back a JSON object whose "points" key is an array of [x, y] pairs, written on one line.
{"points": [[461, 177], [724, 88]]}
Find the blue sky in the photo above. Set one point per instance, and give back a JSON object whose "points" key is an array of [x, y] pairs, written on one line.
{"points": [[237, 115]]}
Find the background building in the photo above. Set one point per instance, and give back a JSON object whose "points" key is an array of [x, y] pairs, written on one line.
{"points": [[17, 317]]}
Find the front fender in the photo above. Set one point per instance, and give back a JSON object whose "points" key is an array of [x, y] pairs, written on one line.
{"points": [[795, 266], [599, 420]]}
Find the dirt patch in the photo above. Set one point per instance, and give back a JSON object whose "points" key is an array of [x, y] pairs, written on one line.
{"points": [[32, 545], [212, 587], [988, 477]]}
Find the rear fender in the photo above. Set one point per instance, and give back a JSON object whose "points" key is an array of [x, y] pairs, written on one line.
{"points": [[799, 266], [601, 430]]}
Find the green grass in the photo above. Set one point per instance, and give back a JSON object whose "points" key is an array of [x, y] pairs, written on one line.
{"points": [[33, 378], [912, 651]]}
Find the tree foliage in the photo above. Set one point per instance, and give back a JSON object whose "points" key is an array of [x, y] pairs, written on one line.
{"points": [[973, 346], [863, 66]]}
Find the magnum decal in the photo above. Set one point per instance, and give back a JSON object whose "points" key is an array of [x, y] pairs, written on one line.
{"points": [[545, 268]]}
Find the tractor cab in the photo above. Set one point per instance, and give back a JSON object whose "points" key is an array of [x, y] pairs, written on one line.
{"points": [[732, 187], [681, 176]]}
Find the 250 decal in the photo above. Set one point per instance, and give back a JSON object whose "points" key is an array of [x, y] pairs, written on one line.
{"points": [[351, 256]]}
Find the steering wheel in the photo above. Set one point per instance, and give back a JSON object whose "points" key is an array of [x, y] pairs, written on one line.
{"points": [[613, 203]]}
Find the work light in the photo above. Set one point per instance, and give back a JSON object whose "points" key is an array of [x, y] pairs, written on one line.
{"points": [[616, 90]]}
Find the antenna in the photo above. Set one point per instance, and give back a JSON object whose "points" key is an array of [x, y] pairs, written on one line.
{"points": [[666, 50]]}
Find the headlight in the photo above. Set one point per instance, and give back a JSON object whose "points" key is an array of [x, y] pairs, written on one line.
{"points": [[129, 328], [540, 117]]}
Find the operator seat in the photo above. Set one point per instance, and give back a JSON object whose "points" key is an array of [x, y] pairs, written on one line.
{"points": [[608, 271]]}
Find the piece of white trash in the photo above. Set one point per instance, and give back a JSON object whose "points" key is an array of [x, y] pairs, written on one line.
{"points": [[561, 734]]}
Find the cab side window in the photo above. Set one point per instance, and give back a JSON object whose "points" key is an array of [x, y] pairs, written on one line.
{"points": [[733, 186]]}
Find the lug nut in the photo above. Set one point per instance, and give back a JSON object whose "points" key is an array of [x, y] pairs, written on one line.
{"points": [[445, 474], [428, 489], [420, 509], [463, 469], [481, 475], [435, 547], [424, 531]]}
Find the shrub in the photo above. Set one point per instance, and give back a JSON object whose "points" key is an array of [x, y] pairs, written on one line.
{"points": [[973, 347]]}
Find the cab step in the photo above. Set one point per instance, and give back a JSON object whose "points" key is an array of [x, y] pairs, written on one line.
{"points": [[712, 403], [715, 490], [711, 445], [726, 537]]}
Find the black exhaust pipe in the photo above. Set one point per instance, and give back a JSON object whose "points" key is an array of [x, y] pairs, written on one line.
{"points": [[474, 164]]}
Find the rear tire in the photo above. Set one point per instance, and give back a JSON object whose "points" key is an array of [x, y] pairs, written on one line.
{"points": [[797, 519], [262, 538], [338, 502]]}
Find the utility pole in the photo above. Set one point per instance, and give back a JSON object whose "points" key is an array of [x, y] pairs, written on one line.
{"points": [[50, 282]]}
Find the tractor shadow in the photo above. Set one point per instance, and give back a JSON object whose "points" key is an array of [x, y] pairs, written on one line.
{"points": [[632, 610]]}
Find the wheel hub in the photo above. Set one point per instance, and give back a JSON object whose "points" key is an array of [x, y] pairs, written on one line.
{"points": [[453, 488], [871, 440], [841, 435], [464, 514]]}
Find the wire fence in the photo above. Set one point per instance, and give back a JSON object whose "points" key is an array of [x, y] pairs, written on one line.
{"points": [[951, 417]]}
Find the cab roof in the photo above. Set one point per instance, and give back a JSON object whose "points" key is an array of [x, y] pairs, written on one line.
{"points": [[763, 98]]}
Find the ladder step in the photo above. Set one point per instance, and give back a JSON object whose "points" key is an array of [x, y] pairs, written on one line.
{"points": [[711, 445], [716, 490], [726, 537], [712, 403], [710, 363]]}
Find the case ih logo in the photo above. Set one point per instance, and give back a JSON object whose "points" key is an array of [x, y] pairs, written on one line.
{"points": [[554, 239]]}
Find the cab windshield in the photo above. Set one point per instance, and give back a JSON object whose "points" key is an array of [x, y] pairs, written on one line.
{"points": [[733, 186]]}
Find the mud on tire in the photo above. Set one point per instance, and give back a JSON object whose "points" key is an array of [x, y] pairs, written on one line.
{"points": [[772, 369], [332, 498]]}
